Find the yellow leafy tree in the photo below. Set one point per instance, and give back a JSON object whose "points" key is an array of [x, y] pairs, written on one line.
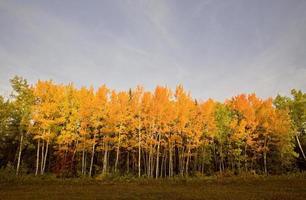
{"points": [[86, 111], [47, 116]]}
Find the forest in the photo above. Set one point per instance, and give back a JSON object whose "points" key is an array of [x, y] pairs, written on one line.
{"points": [[59, 129]]}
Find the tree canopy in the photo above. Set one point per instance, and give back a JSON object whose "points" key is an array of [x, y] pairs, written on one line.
{"points": [[56, 128]]}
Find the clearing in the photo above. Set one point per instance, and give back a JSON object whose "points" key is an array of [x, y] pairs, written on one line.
{"points": [[276, 188]]}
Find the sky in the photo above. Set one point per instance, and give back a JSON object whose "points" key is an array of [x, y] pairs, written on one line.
{"points": [[214, 48]]}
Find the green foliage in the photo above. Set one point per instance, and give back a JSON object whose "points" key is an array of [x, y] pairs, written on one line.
{"points": [[297, 110], [73, 132]]}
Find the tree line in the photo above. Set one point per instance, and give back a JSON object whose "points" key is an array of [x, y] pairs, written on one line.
{"points": [[71, 132]]}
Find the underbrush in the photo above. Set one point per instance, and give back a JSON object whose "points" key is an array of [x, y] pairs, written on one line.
{"points": [[8, 176]]}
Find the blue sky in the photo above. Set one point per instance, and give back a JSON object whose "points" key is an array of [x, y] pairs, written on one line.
{"points": [[215, 48]]}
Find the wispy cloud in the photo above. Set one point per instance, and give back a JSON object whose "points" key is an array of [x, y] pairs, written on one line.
{"points": [[216, 49]]}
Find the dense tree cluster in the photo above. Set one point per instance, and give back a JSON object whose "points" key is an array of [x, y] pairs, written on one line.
{"points": [[60, 129]]}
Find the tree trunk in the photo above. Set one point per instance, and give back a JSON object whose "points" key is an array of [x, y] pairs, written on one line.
{"points": [[215, 156], [37, 157], [92, 156], [118, 152], [182, 161], [104, 171], [195, 165], [162, 165], [265, 156], [139, 148], [150, 160], [46, 154], [42, 158], [157, 157], [265, 162], [221, 165], [300, 146], [64, 167], [19, 154], [145, 162], [187, 162], [128, 162], [239, 162], [45, 158], [152, 163], [203, 161], [170, 161], [85, 164], [83, 159], [245, 158], [73, 157]]}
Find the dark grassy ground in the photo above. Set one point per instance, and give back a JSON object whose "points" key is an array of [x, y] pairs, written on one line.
{"points": [[276, 188]]}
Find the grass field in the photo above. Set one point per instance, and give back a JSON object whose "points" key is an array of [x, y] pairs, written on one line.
{"points": [[276, 188]]}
